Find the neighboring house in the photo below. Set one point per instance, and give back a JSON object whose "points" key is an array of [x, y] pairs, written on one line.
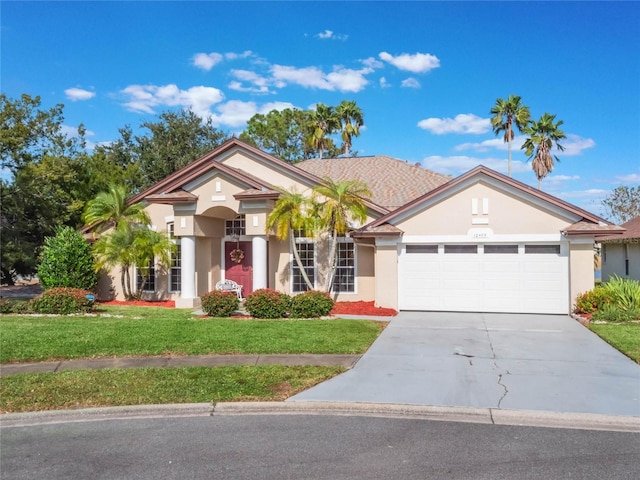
{"points": [[479, 242], [620, 254]]}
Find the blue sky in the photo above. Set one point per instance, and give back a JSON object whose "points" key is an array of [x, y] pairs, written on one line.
{"points": [[425, 73]]}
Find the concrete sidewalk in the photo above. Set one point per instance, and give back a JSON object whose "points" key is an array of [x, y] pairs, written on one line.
{"points": [[346, 361]]}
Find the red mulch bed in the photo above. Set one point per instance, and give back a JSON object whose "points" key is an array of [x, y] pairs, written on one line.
{"points": [[140, 303], [361, 308]]}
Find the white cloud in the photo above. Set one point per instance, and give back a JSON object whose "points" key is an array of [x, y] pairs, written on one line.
{"points": [[631, 178], [235, 56], [207, 61], [384, 83], [143, 98], [260, 83], [589, 193], [486, 145], [236, 113], [341, 79], [75, 94], [462, 123], [417, 63], [372, 63], [456, 165], [575, 144], [410, 83], [331, 35]]}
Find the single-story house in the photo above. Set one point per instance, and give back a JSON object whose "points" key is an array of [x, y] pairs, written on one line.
{"points": [[620, 254], [481, 242]]}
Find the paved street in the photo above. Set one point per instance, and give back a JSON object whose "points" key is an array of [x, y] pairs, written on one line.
{"points": [[311, 447], [507, 361]]}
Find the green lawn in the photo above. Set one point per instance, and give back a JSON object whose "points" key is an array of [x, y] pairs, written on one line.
{"points": [[623, 336], [134, 331], [97, 388]]}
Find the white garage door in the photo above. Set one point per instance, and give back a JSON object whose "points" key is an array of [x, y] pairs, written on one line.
{"points": [[526, 278]]}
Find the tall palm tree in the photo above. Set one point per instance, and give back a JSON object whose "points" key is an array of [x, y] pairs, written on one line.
{"points": [[352, 119], [543, 135], [290, 214], [338, 204], [506, 113], [110, 209], [324, 122]]}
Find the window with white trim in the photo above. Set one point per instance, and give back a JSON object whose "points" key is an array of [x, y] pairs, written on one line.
{"points": [[235, 227], [175, 271], [306, 250], [344, 279], [149, 278]]}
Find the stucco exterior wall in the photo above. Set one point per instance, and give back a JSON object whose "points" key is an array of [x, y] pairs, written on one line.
{"points": [[386, 279], [505, 214], [613, 260], [581, 270]]}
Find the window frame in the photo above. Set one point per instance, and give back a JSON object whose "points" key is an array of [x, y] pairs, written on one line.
{"points": [[174, 271], [294, 266], [152, 278], [353, 268]]}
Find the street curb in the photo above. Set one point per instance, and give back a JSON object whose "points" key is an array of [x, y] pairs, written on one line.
{"points": [[488, 416], [495, 416]]}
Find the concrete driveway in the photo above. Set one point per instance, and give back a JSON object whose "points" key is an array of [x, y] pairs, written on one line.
{"points": [[508, 361]]}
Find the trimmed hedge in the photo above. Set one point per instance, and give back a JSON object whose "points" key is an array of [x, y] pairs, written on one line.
{"points": [[219, 304], [63, 301], [311, 304], [267, 303]]}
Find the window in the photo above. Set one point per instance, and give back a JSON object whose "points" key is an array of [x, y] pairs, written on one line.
{"points": [[175, 274], [460, 249], [306, 250], [344, 279], [235, 227], [500, 249], [422, 248], [149, 278], [542, 249]]}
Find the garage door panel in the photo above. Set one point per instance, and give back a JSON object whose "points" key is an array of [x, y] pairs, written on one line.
{"points": [[479, 282]]}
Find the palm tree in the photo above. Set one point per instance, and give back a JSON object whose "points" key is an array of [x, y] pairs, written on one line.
{"points": [[506, 113], [543, 135], [149, 245], [340, 203], [110, 209], [291, 214], [351, 118], [324, 122]]}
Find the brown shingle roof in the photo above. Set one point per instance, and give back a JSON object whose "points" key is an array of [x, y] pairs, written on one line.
{"points": [[590, 228], [631, 235], [392, 182]]}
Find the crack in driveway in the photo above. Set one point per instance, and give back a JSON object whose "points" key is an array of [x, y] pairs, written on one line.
{"points": [[495, 363]]}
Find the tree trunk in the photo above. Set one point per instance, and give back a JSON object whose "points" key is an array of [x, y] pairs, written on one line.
{"points": [[333, 250]]}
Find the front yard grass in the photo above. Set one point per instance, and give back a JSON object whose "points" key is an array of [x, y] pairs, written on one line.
{"points": [[142, 331], [111, 387], [622, 336]]}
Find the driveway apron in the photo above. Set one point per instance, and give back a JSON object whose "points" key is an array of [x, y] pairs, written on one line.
{"points": [[508, 361]]}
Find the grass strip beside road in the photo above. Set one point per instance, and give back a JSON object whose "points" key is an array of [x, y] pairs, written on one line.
{"points": [[143, 331], [622, 336], [149, 386]]}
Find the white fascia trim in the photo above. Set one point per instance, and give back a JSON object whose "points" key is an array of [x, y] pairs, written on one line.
{"points": [[388, 242], [514, 238], [168, 219]]}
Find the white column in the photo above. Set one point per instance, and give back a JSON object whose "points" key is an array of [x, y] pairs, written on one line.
{"points": [[259, 252], [188, 267]]}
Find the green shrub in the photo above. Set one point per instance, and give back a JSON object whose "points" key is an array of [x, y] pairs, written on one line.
{"points": [[589, 302], [66, 261], [624, 292], [610, 312], [14, 306], [63, 301], [219, 304], [267, 303], [311, 304]]}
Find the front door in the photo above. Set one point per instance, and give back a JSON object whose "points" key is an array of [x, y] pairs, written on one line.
{"points": [[238, 265]]}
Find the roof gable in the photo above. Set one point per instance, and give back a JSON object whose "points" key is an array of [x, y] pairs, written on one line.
{"points": [[573, 213]]}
